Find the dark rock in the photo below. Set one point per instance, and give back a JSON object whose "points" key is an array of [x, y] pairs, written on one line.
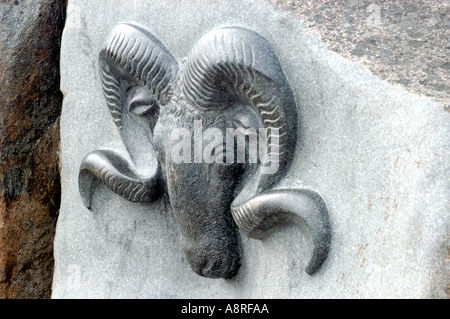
{"points": [[30, 106]]}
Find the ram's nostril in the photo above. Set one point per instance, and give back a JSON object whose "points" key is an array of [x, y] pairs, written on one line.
{"points": [[220, 268], [233, 270], [217, 262]]}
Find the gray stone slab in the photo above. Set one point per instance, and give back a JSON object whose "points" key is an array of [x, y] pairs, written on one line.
{"points": [[377, 154]]}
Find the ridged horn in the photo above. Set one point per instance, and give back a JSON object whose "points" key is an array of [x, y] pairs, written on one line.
{"points": [[114, 172], [262, 214], [236, 65], [133, 52]]}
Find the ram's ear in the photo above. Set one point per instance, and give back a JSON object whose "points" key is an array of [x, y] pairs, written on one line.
{"points": [[144, 107], [141, 101]]}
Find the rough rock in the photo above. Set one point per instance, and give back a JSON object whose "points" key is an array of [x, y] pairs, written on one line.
{"points": [[30, 107], [402, 42]]}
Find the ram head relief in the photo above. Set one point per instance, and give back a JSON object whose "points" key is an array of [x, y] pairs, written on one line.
{"points": [[233, 82]]}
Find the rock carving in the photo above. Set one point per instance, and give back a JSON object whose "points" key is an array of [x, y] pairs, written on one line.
{"points": [[231, 79]]}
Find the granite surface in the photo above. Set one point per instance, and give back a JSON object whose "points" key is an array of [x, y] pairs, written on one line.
{"points": [[403, 42]]}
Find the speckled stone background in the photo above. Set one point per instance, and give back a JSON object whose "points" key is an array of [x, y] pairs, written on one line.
{"points": [[402, 42]]}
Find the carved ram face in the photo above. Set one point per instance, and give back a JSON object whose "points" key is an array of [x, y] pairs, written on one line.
{"points": [[231, 79]]}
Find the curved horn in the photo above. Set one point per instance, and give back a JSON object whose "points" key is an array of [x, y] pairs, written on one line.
{"points": [[134, 55], [113, 171], [133, 52], [232, 64], [264, 213]]}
